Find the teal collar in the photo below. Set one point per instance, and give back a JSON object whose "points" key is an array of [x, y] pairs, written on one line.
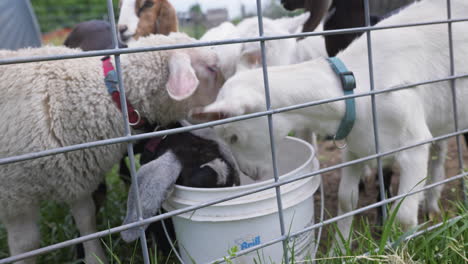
{"points": [[348, 83]]}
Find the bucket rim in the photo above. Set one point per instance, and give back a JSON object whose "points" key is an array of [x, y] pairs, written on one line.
{"points": [[261, 183]]}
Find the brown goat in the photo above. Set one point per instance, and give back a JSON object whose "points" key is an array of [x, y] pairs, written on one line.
{"points": [[140, 18]]}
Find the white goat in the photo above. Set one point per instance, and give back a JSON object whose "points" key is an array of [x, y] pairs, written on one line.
{"points": [[401, 56], [53, 104], [243, 56], [239, 57]]}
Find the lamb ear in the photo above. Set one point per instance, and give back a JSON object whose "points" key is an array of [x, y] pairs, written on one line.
{"points": [[182, 80], [155, 182]]}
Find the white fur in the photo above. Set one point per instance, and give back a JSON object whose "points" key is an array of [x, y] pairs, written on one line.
{"points": [[128, 18], [400, 56], [244, 56], [228, 54], [221, 168], [53, 104], [311, 47], [239, 57]]}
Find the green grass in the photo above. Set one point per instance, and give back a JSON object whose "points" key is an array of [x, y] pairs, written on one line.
{"points": [[447, 244]]}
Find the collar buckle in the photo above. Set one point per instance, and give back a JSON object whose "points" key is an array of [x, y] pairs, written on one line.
{"points": [[347, 80]]}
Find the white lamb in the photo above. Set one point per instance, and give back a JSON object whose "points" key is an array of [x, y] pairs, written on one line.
{"points": [[243, 56], [228, 54], [53, 104], [401, 56]]}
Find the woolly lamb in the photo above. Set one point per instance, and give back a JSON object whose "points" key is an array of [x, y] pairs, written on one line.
{"points": [[60, 103]]}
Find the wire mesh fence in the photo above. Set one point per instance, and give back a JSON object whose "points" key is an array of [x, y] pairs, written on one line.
{"points": [[129, 137]]}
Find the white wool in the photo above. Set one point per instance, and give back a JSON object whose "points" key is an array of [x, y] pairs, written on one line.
{"points": [[66, 103]]}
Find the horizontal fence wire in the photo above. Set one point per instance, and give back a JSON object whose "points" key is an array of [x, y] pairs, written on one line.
{"points": [[348, 214], [218, 42], [255, 190], [128, 138], [124, 139]]}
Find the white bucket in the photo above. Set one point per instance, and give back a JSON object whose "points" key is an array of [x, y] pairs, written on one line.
{"points": [[208, 233]]}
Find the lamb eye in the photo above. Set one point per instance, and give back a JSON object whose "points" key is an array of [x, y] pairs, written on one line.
{"points": [[211, 69], [233, 139]]}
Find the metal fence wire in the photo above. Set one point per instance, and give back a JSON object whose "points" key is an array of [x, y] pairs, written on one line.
{"points": [[128, 137]]}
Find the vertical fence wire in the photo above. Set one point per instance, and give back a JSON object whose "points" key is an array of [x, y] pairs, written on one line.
{"points": [[454, 99], [128, 132], [271, 134], [374, 110]]}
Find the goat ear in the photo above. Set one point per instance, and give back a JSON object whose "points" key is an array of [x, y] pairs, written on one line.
{"points": [[250, 58], [155, 182], [199, 115], [182, 81], [318, 10], [212, 112]]}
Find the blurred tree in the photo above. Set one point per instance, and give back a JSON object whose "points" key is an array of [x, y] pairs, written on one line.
{"points": [[197, 17], [56, 14], [274, 9]]}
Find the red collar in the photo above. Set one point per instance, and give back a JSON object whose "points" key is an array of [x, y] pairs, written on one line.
{"points": [[111, 81]]}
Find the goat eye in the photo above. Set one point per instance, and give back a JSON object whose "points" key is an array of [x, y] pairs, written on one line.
{"points": [[146, 4], [233, 139]]}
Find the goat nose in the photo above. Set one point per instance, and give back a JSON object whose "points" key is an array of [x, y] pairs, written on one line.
{"points": [[122, 28]]}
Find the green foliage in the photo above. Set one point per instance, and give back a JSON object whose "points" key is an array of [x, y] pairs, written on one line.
{"points": [[55, 14], [447, 244], [196, 8], [193, 30]]}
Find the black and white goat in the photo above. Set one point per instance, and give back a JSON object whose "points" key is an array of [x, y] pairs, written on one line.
{"points": [[195, 159]]}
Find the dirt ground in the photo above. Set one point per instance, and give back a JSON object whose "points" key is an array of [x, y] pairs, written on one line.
{"points": [[329, 155]]}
